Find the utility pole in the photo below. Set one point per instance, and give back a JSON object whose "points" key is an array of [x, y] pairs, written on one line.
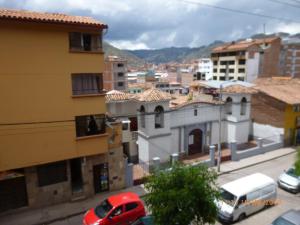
{"points": [[220, 128]]}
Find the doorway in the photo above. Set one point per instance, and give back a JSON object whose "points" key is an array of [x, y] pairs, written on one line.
{"points": [[76, 175], [101, 177], [195, 142]]}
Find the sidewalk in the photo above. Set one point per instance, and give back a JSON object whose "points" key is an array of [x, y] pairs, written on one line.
{"points": [[47, 215]]}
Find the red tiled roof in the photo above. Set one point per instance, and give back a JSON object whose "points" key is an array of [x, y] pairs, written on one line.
{"points": [[243, 45], [24, 15]]}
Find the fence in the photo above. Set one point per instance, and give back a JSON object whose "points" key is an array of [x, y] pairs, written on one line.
{"points": [[137, 173], [263, 145]]}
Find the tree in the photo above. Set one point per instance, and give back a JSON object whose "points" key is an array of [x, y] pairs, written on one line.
{"points": [[183, 195], [297, 163]]}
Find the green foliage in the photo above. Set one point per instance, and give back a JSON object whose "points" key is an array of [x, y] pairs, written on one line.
{"points": [[297, 163], [182, 195]]}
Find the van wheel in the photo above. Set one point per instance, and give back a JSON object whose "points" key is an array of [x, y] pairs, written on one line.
{"points": [[242, 216]]}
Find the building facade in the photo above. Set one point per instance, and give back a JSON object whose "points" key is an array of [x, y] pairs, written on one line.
{"points": [[185, 125], [115, 74], [53, 136], [246, 60], [290, 60], [205, 69]]}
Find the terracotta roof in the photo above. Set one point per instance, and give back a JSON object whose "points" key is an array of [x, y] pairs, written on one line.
{"points": [[24, 15], [115, 95], [243, 45], [182, 101], [287, 92], [153, 94], [239, 89]]}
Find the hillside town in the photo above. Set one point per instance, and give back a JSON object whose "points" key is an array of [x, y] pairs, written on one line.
{"points": [[83, 132]]}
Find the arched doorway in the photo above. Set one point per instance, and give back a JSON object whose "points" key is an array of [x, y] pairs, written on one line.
{"points": [[195, 141]]}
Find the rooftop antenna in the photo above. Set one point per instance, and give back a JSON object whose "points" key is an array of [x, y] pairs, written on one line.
{"points": [[264, 46]]}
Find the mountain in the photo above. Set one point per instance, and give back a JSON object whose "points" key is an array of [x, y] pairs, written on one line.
{"points": [[176, 54], [180, 54], [131, 58]]}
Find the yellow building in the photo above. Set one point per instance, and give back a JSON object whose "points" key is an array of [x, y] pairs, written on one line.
{"points": [[53, 135], [278, 103]]}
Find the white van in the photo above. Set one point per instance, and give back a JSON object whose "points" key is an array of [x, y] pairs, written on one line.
{"points": [[245, 196]]}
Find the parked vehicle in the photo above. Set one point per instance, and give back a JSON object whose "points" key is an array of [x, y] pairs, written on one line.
{"points": [[289, 180], [146, 220], [245, 196], [123, 209], [291, 217]]}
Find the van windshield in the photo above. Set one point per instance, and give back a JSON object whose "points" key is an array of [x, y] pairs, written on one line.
{"points": [[227, 197]]}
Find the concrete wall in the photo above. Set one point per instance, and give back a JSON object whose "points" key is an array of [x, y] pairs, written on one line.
{"points": [[252, 67]]}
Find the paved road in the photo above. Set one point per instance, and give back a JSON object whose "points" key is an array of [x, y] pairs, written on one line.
{"points": [[272, 168]]}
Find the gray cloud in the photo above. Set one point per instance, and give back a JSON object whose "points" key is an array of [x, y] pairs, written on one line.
{"points": [[158, 24]]}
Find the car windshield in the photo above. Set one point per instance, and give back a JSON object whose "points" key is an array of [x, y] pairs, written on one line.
{"points": [[282, 221], [291, 172], [102, 209], [227, 197]]}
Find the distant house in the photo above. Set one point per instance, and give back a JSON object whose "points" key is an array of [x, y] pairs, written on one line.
{"points": [[278, 103], [115, 74]]}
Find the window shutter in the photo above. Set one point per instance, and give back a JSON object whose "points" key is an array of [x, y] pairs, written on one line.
{"points": [[96, 42], [75, 41]]}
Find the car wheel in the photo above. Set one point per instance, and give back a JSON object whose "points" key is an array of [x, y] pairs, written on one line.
{"points": [[242, 216]]}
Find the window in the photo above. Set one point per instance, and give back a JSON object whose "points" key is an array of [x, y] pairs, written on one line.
{"points": [[142, 113], [215, 77], [117, 211], [231, 78], [90, 125], [120, 74], [159, 117], [52, 173], [231, 62], [242, 200], [223, 63], [120, 65], [231, 70], [125, 126], [222, 70], [241, 78], [229, 106], [215, 70], [243, 106], [102, 209], [85, 42], [120, 84], [130, 206], [267, 190], [222, 78], [242, 62], [85, 84], [296, 108], [241, 70], [215, 63], [195, 112]]}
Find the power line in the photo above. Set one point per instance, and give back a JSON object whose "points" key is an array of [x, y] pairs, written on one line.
{"points": [[285, 3], [240, 11]]}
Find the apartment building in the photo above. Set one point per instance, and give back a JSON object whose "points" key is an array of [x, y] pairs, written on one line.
{"points": [[246, 60], [53, 134], [205, 69], [115, 74], [290, 60]]}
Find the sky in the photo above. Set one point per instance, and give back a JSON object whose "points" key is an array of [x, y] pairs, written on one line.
{"points": [[154, 24]]}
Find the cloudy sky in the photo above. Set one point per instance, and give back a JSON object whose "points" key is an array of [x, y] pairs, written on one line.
{"points": [[152, 24]]}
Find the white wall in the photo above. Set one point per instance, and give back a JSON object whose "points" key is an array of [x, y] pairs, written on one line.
{"points": [[175, 140], [143, 149], [252, 67]]}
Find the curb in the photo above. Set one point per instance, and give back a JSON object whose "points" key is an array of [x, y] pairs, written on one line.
{"points": [[267, 160]]}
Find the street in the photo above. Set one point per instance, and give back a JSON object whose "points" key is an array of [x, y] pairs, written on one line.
{"points": [[272, 168]]}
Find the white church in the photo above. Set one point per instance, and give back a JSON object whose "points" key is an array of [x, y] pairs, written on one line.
{"points": [[187, 125]]}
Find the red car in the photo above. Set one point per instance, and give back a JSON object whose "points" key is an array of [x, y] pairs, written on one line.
{"points": [[121, 209]]}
